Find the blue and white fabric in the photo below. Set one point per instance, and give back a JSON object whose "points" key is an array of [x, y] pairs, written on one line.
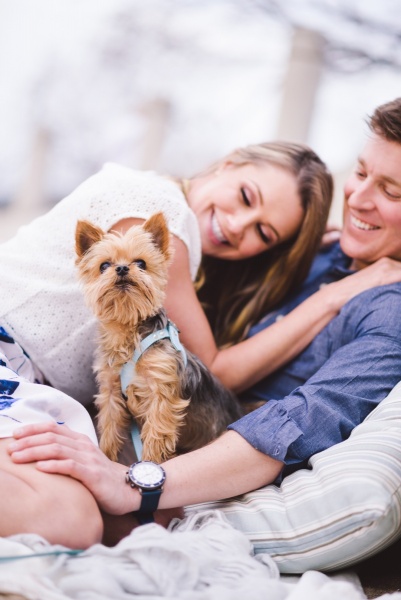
{"points": [[25, 399]]}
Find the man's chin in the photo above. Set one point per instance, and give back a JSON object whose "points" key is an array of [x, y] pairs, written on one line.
{"points": [[355, 252], [346, 245]]}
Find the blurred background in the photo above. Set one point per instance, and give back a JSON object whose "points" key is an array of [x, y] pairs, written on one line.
{"points": [[172, 85]]}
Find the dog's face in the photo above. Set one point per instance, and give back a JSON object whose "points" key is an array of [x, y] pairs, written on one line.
{"points": [[124, 276]]}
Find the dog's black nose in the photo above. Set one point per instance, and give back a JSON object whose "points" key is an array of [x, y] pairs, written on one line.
{"points": [[122, 270]]}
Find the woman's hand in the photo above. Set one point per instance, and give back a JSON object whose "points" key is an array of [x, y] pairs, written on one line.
{"points": [[331, 234], [57, 449], [384, 271]]}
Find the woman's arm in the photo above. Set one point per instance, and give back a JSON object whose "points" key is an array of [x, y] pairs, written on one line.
{"points": [[282, 341], [227, 467], [247, 362]]}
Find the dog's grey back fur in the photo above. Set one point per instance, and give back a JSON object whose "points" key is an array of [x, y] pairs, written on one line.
{"points": [[212, 406]]}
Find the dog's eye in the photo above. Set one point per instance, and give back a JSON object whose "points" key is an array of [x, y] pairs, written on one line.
{"points": [[140, 263], [104, 266]]}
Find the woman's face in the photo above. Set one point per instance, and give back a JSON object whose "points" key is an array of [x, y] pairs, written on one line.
{"points": [[243, 210]]}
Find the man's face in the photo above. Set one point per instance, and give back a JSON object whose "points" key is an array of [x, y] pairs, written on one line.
{"points": [[372, 204]]}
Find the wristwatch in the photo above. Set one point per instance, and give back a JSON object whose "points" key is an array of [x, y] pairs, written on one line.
{"points": [[148, 477]]}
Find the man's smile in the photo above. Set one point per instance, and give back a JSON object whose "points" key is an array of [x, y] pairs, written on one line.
{"points": [[362, 224]]}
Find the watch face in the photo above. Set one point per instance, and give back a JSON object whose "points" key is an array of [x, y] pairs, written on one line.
{"points": [[147, 474]]}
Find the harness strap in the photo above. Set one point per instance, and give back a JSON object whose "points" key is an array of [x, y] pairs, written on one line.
{"points": [[128, 370], [136, 440]]}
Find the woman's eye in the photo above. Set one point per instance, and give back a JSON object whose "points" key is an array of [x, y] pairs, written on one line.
{"points": [[140, 263], [245, 197], [104, 266], [265, 238]]}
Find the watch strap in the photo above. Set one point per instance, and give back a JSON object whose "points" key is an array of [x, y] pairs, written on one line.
{"points": [[150, 500], [149, 503], [144, 518], [149, 497]]}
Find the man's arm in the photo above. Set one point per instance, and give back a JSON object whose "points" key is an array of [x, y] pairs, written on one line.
{"points": [[227, 467], [363, 365]]}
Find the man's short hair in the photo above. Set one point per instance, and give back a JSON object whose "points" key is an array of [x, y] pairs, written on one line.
{"points": [[386, 121]]}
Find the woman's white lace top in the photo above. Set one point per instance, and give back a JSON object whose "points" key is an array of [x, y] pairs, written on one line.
{"points": [[42, 305]]}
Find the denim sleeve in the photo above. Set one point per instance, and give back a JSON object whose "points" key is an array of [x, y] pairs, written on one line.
{"points": [[363, 367]]}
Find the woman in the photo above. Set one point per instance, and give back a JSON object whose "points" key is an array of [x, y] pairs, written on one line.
{"points": [[257, 216], [262, 211]]}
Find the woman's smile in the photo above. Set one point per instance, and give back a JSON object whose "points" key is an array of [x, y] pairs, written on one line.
{"points": [[217, 235], [243, 210]]}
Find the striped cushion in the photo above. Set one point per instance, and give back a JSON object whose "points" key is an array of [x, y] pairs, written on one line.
{"points": [[345, 509]]}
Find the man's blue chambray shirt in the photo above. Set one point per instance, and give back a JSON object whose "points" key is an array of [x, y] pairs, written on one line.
{"points": [[317, 399]]}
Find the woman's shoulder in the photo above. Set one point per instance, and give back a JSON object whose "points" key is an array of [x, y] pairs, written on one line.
{"points": [[117, 192], [148, 179], [116, 170], [143, 191]]}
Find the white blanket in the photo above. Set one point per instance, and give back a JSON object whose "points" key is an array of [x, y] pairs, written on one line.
{"points": [[199, 558]]}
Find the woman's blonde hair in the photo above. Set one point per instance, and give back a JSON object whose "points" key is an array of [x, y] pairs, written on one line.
{"points": [[237, 294]]}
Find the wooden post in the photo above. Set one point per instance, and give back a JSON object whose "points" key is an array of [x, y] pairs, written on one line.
{"points": [[156, 115], [300, 85], [29, 201]]}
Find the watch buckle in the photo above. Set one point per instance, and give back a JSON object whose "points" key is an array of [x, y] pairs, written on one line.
{"points": [[128, 480]]}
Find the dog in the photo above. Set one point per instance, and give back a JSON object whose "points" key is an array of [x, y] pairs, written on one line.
{"points": [[175, 400]]}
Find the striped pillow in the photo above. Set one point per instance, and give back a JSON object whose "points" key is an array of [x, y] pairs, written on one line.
{"points": [[345, 509]]}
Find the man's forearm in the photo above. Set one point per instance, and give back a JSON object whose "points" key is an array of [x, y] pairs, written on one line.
{"points": [[227, 467]]}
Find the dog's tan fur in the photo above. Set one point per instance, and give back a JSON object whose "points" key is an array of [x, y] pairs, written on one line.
{"points": [[122, 306]]}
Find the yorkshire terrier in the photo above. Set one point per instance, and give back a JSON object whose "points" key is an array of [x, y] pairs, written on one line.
{"points": [[176, 402]]}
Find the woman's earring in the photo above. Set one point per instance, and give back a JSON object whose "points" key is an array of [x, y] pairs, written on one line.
{"points": [[185, 187], [222, 166]]}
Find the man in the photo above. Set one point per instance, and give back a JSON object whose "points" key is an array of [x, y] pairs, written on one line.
{"points": [[355, 361], [316, 400]]}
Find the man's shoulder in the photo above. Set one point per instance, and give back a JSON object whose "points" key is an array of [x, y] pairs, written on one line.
{"points": [[376, 310], [388, 293]]}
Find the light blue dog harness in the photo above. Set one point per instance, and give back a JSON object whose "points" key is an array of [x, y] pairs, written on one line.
{"points": [[128, 370]]}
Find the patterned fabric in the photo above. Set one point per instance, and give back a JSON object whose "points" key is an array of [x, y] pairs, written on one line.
{"points": [[42, 305], [343, 510], [25, 400]]}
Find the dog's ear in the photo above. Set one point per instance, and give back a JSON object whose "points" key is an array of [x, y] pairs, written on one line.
{"points": [[156, 225], [86, 234]]}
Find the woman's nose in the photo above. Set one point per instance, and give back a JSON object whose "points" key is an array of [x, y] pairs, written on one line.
{"points": [[237, 223]]}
